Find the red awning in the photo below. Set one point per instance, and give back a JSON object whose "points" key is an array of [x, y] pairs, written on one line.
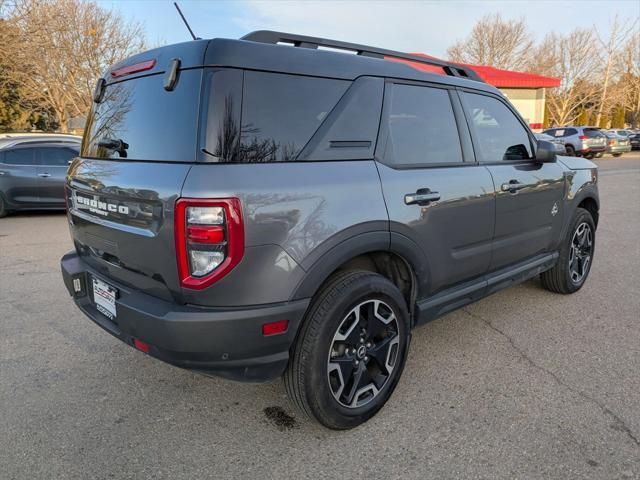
{"points": [[493, 76]]}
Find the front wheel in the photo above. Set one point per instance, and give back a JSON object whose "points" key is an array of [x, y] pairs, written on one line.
{"points": [[576, 256], [351, 350]]}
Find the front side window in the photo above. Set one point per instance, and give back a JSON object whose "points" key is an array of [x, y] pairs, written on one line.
{"points": [[421, 127], [20, 156], [499, 134]]}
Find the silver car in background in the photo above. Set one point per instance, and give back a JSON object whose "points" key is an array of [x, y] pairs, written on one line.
{"points": [[557, 143], [617, 144], [585, 142]]}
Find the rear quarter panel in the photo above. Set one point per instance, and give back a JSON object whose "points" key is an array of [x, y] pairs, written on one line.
{"points": [[294, 213]]}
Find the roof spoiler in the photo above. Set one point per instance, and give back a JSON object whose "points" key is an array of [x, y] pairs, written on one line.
{"points": [[302, 41]]}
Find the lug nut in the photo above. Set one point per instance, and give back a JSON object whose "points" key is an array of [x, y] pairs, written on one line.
{"points": [[366, 359], [357, 362], [368, 344], [362, 340]]}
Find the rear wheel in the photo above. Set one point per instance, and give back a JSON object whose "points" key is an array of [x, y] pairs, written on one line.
{"points": [[3, 208], [616, 154], [570, 151], [351, 350], [576, 256]]}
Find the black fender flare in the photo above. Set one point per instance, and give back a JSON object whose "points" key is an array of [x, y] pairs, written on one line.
{"points": [[369, 242]]}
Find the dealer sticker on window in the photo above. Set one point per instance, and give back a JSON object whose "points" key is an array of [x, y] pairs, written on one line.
{"points": [[104, 296]]}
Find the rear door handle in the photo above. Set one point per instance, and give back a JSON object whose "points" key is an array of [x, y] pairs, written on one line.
{"points": [[513, 186], [44, 175], [423, 196]]}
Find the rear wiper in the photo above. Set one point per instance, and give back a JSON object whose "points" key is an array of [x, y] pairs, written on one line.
{"points": [[115, 145]]}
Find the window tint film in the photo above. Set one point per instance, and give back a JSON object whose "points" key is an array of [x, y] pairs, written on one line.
{"points": [[138, 119], [59, 157], [498, 132], [280, 113], [21, 156], [421, 127], [593, 133]]}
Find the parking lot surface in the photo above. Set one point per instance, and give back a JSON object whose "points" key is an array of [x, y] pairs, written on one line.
{"points": [[524, 384]]}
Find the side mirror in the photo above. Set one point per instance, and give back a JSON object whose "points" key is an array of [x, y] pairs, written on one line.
{"points": [[546, 152]]}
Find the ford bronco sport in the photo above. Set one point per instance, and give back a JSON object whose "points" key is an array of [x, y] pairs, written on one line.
{"points": [[270, 207]]}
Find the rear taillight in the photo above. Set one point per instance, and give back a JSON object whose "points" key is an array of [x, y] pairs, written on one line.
{"points": [[583, 137], [209, 239], [611, 142]]}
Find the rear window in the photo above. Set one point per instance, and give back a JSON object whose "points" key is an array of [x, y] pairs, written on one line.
{"points": [[138, 119], [593, 133]]}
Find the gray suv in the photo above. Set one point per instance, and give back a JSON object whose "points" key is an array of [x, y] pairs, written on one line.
{"points": [[33, 171], [264, 207]]}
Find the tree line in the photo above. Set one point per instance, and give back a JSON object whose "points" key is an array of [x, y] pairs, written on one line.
{"points": [[600, 74], [52, 52]]}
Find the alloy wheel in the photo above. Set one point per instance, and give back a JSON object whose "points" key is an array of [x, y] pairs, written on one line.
{"points": [[363, 353], [580, 253]]}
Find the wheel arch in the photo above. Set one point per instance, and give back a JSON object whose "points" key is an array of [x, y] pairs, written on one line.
{"points": [[369, 252]]}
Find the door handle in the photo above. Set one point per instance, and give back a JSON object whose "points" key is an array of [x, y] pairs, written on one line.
{"points": [[44, 175], [423, 196], [513, 186]]}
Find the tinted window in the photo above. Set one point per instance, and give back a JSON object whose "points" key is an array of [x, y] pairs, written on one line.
{"points": [[280, 113], [56, 156], [151, 123], [421, 127], [593, 133], [570, 131], [499, 133], [21, 156]]}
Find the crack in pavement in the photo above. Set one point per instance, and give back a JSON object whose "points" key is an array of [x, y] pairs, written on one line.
{"points": [[619, 425]]}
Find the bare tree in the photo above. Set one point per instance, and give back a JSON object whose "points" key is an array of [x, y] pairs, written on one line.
{"points": [[611, 51], [571, 58], [495, 42], [58, 48]]}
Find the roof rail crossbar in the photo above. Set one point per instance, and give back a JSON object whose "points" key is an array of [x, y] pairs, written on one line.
{"points": [[303, 41]]}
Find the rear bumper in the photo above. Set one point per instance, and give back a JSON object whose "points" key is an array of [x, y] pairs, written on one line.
{"points": [[593, 149], [619, 149], [226, 342]]}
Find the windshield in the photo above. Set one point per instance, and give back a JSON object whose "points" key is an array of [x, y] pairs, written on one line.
{"points": [[138, 119]]}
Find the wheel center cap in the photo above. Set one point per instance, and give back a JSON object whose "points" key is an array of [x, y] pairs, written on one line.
{"points": [[362, 351]]}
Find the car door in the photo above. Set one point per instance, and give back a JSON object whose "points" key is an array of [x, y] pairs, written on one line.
{"points": [[18, 179], [53, 162], [528, 193], [436, 194]]}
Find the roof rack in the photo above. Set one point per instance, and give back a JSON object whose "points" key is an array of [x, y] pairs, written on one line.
{"points": [[302, 41]]}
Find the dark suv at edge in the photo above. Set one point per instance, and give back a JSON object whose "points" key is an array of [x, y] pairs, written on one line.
{"points": [[261, 207]]}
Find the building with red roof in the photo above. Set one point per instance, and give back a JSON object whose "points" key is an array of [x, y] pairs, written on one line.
{"points": [[526, 91]]}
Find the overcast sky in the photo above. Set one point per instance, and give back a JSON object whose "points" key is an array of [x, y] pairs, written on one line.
{"points": [[414, 26]]}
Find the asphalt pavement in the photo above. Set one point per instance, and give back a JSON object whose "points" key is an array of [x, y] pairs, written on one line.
{"points": [[524, 384]]}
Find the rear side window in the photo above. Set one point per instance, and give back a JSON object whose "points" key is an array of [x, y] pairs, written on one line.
{"points": [[421, 127], [20, 156], [280, 114], [499, 134], [56, 157], [138, 119]]}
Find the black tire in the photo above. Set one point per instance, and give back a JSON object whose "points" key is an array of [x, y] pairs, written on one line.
{"points": [[561, 278], [3, 208], [616, 154], [310, 380], [571, 152], [589, 156]]}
